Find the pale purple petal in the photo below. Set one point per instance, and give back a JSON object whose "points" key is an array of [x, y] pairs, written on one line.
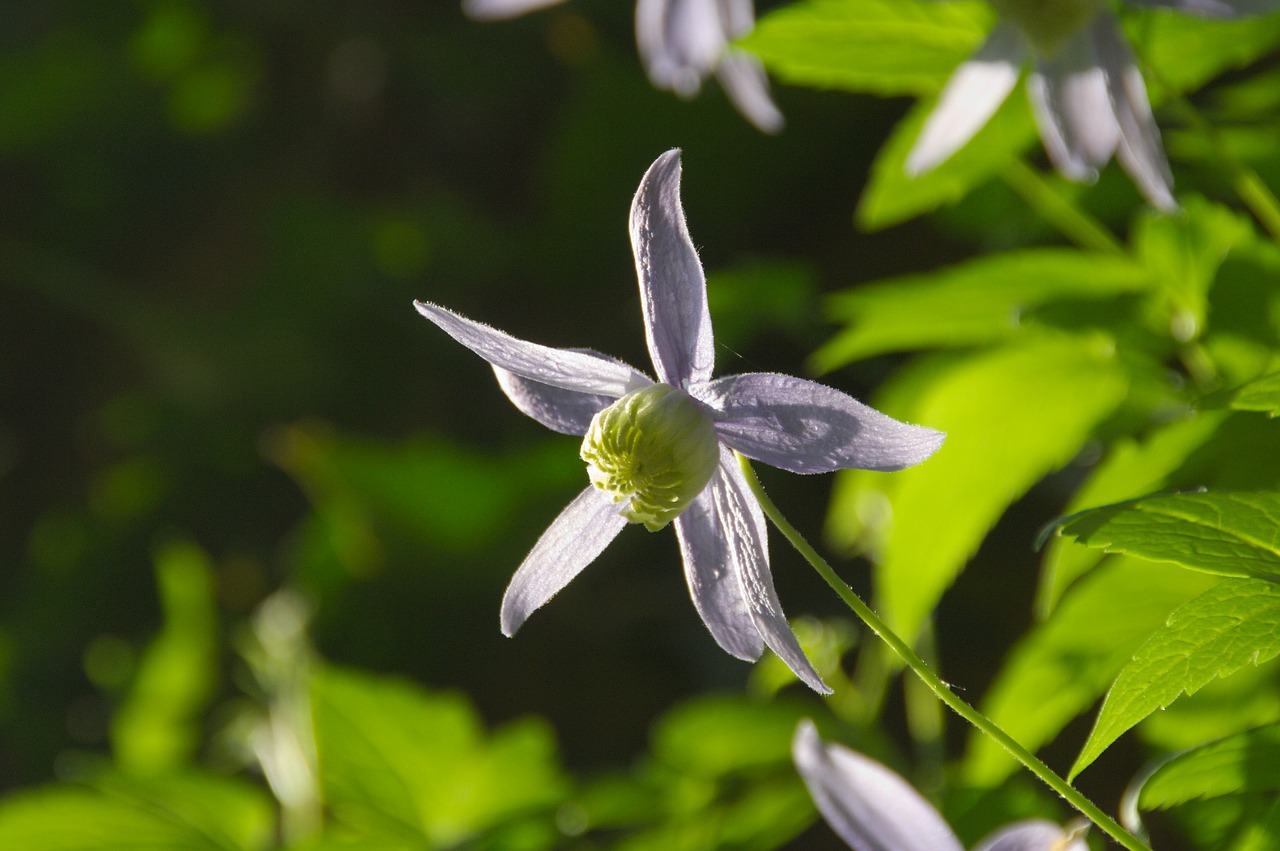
{"points": [[566, 368], [571, 542], [673, 289], [1140, 151], [1034, 835], [743, 527], [869, 806], [494, 10], [565, 411], [1072, 107], [713, 584], [805, 427], [972, 95], [680, 41], [747, 86]]}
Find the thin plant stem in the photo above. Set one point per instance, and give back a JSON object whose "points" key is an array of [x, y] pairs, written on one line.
{"points": [[1074, 223], [943, 691]]}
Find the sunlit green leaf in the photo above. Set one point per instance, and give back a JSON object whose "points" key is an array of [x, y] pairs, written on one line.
{"points": [[1234, 623], [1230, 534], [1187, 51], [1248, 762], [979, 301], [1262, 394], [718, 735], [1065, 664]]}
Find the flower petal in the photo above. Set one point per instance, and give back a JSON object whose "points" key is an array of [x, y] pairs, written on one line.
{"points": [[1034, 835], [673, 290], [713, 585], [1073, 110], [869, 806], [972, 95], [495, 10], [744, 81], [565, 411], [806, 427], [680, 41], [1140, 151], [571, 542], [743, 529], [567, 368]]}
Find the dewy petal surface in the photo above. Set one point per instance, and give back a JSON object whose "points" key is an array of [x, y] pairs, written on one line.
{"points": [[743, 527], [566, 368], [806, 427], [1073, 110], [494, 10], [1032, 835], [673, 289], [869, 806], [972, 95], [565, 411], [713, 585], [571, 542]]}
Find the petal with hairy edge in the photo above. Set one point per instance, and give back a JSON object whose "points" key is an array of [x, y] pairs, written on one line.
{"points": [[673, 290], [869, 806], [805, 427], [496, 10], [743, 527], [565, 411], [1140, 151], [1072, 107], [744, 81], [972, 95], [565, 368], [571, 542], [1034, 835], [713, 585]]}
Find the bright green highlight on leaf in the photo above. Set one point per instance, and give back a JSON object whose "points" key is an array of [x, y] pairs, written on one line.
{"points": [[1231, 534], [1236, 622], [1247, 762], [1262, 394]]}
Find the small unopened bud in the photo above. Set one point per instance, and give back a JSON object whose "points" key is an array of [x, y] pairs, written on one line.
{"points": [[653, 450]]}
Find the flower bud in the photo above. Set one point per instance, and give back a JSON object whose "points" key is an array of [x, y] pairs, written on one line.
{"points": [[653, 450]]}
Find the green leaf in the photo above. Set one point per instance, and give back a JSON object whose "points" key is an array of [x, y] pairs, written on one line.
{"points": [[1130, 469], [1188, 51], [1230, 534], [714, 736], [400, 763], [889, 47], [1261, 394], [1062, 667], [979, 301], [1234, 623], [999, 443], [1248, 762]]}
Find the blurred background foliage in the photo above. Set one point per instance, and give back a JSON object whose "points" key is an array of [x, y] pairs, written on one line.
{"points": [[217, 215]]}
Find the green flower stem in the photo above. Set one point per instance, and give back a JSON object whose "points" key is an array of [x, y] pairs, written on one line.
{"points": [[932, 680], [1074, 223]]}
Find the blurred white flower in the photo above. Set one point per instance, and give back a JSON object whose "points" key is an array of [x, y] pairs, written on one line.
{"points": [[1086, 92], [682, 42], [873, 809]]}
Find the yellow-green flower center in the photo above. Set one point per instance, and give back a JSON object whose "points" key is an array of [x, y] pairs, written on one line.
{"points": [[653, 451], [1049, 23]]}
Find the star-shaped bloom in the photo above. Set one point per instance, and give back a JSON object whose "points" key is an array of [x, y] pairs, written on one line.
{"points": [[873, 809], [682, 42], [663, 452], [1086, 92]]}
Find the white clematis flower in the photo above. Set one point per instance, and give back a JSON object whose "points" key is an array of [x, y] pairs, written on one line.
{"points": [[1086, 92], [682, 42], [663, 452], [873, 809]]}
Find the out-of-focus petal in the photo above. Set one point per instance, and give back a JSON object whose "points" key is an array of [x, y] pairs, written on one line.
{"points": [[972, 95], [747, 86], [673, 289], [566, 368], [713, 585], [1034, 835], [806, 427], [1072, 107], [494, 10], [869, 806], [571, 542], [680, 41], [743, 526], [565, 411], [1140, 151]]}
